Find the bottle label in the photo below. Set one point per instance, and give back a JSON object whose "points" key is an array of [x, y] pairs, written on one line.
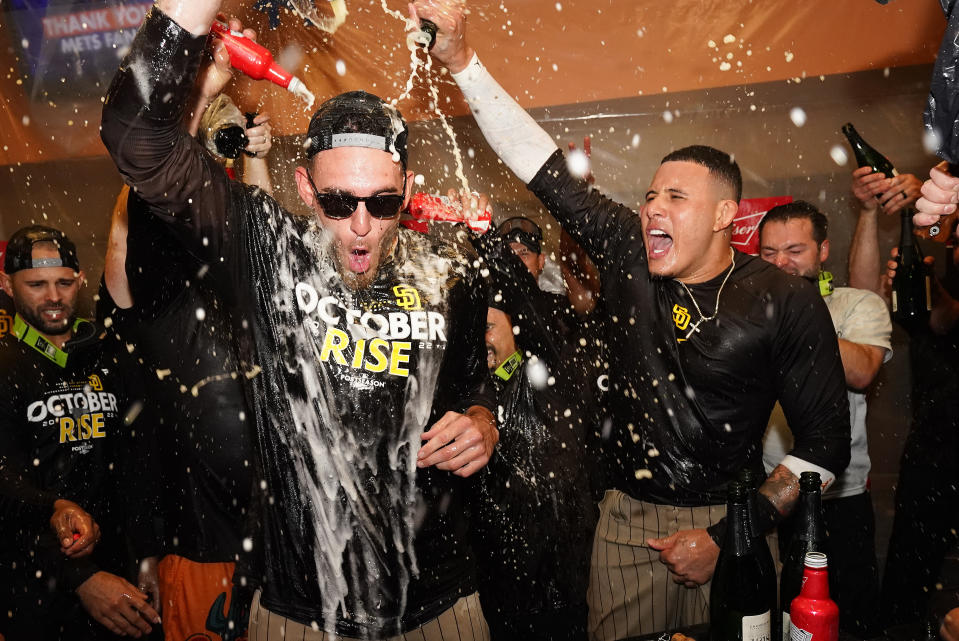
{"points": [[757, 627], [895, 302], [798, 634], [786, 620]]}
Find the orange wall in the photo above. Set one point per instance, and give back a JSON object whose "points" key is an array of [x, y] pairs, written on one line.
{"points": [[543, 51]]}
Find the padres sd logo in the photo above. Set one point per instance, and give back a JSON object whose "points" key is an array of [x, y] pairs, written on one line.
{"points": [[680, 316], [407, 297], [6, 323], [95, 383]]}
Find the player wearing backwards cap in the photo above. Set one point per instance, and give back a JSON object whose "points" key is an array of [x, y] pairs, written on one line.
{"points": [[702, 342], [534, 509], [68, 437], [368, 340]]}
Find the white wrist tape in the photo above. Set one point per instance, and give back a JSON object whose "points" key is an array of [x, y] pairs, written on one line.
{"points": [[797, 466]]}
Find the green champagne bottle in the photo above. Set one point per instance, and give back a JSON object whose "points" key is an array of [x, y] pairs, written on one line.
{"points": [[739, 597], [911, 289]]}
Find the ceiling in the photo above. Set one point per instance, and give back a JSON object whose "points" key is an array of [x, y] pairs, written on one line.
{"points": [[545, 52]]}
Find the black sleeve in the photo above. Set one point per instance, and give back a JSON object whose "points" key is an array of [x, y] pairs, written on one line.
{"points": [[142, 130], [812, 387], [70, 573], [545, 320], [16, 484], [139, 477], [463, 378], [609, 232]]}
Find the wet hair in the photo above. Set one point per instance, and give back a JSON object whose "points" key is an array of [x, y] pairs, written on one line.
{"points": [[357, 119], [802, 210], [721, 165]]}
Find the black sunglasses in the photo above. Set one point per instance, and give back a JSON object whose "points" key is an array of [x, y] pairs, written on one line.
{"points": [[339, 205]]}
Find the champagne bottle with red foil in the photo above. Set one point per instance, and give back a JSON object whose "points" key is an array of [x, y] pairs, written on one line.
{"points": [[813, 615], [739, 607], [256, 61], [809, 536]]}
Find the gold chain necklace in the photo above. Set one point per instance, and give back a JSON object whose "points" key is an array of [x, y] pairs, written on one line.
{"points": [[702, 318]]}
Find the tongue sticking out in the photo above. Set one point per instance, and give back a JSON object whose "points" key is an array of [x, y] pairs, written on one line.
{"points": [[658, 245], [359, 261]]}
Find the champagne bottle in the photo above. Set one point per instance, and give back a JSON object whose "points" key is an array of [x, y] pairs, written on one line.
{"points": [[752, 479], [866, 154], [911, 290], [813, 615], [230, 141], [810, 536], [739, 597]]}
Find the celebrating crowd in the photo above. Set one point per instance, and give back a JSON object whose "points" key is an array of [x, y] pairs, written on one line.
{"points": [[335, 427]]}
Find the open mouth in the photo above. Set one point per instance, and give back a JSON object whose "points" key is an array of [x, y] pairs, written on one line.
{"points": [[359, 260], [658, 243]]}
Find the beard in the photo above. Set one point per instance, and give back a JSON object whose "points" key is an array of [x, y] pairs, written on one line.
{"points": [[361, 280], [35, 318]]}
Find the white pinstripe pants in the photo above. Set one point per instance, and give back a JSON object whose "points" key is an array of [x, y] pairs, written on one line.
{"points": [[462, 622], [630, 592]]}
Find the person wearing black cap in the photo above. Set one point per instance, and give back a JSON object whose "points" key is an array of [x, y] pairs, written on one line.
{"points": [[365, 340], [68, 433], [703, 341], [525, 238], [533, 574]]}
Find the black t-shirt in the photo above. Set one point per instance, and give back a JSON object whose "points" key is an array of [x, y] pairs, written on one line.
{"points": [[354, 535], [687, 415], [181, 333], [73, 431]]}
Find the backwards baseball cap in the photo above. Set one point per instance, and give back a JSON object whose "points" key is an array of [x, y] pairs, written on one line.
{"points": [[19, 253], [520, 229], [357, 119]]}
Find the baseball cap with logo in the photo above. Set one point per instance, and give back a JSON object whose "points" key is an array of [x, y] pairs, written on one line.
{"points": [[19, 252], [520, 229]]}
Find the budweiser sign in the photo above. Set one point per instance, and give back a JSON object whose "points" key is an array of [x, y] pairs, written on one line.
{"points": [[746, 223]]}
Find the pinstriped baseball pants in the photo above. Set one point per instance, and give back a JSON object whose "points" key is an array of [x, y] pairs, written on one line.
{"points": [[462, 622], [630, 592]]}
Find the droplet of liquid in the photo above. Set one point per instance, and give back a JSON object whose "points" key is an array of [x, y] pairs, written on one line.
{"points": [[798, 116], [578, 163], [838, 155]]}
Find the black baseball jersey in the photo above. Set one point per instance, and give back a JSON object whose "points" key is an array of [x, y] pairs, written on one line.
{"points": [[690, 407]]}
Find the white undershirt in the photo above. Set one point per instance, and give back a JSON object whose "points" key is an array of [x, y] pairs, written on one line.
{"points": [[512, 133]]}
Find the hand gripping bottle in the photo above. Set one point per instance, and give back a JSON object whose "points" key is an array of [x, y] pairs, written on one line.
{"points": [[256, 61]]}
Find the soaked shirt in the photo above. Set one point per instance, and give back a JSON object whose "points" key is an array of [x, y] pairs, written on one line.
{"points": [[689, 409], [540, 475], [182, 333], [354, 536]]}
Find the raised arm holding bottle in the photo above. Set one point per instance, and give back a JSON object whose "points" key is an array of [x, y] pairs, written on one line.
{"points": [[667, 274]]}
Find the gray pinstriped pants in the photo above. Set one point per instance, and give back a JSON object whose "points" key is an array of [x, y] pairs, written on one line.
{"points": [[462, 622], [630, 591]]}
